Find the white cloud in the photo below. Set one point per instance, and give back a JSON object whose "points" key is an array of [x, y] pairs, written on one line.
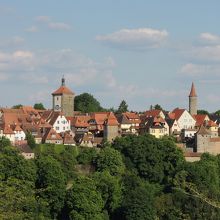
{"points": [[34, 78], [135, 39], [53, 25], [32, 29], [209, 38], [200, 70], [59, 26]]}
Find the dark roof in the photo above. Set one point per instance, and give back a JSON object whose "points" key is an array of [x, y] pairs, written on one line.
{"points": [[24, 149]]}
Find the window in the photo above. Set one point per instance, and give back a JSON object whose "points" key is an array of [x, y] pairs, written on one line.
{"points": [[63, 128], [57, 128], [58, 122]]}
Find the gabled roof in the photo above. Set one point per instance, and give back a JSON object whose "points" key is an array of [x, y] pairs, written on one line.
{"points": [[99, 117], [152, 113], [63, 90], [80, 121], [200, 119], [202, 131], [193, 91], [177, 113], [7, 130], [211, 124], [170, 122], [51, 134]]}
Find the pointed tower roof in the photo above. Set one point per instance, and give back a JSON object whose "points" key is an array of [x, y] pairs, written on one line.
{"points": [[193, 91], [63, 89]]}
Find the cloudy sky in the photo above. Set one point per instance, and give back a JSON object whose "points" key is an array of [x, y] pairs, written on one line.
{"points": [[145, 52]]}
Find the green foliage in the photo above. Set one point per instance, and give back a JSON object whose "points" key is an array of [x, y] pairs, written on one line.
{"points": [[39, 106], [202, 112], [217, 112], [87, 155], [51, 183], [139, 197], [157, 107], [14, 165], [110, 188], [4, 142], [123, 107], [156, 160], [18, 106], [84, 201], [110, 160], [30, 140], [87, 103]]}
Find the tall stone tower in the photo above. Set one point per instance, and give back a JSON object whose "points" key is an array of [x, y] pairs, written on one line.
{"points": [[63, 100], [193, 101]]}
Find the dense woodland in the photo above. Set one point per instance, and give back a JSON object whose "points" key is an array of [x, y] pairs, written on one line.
{"points": [[136, 177]]}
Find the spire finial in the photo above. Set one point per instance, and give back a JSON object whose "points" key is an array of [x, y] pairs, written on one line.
{"points": [[63, 81]]}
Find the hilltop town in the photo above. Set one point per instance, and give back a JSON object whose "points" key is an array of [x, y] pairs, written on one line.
{"points": [[194, 133]]}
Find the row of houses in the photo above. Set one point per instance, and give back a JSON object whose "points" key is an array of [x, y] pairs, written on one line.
{"points": [[92, 129]]}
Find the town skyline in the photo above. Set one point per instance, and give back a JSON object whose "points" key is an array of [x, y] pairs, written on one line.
{"points": [[146, 53]]}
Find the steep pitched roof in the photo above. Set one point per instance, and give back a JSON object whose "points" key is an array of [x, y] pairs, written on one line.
{"points": [[7, 130], [178, 113], [111, 120], [51, 134], [80, 121], [200, 119], [192, 91]]}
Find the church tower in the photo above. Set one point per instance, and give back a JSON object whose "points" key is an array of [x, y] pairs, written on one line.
{"points": [[63, 100], [193, 101]]}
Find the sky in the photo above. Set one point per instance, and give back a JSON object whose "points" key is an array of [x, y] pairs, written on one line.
{"points": [[143, 52]]}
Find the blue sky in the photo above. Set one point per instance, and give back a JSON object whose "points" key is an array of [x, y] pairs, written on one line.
{"points": [[145, 52]]}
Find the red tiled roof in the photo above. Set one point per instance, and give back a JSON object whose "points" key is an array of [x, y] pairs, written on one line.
{"points": [[211, 124], [193, 91], [192, 154], [63, 90], [152, 113], [177, 113], [111, 120], [199, 119], [51, 134], [7, 130], [80, 121]]}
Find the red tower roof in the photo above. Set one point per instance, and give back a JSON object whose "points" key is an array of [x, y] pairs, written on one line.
{"points": [[193, 91]]}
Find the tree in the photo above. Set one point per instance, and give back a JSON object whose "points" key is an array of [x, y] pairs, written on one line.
{"points": [[30, 140], [39, 106], [18, 106], [50, 183], [138, 201], [4, 142], [217, 112], [87, 103], [110, 188], [18, 200], [110, 160], [154, 159], [123, 107], [83, 201], [157, 107], [202, 112]]}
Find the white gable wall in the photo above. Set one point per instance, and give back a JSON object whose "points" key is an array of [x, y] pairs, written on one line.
{"points": [[186, 121]]}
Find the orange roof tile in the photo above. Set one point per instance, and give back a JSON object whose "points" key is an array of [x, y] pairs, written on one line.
{"points": [[52, 135], [152, 113], [63, 90], [199, 119], [177, 113], [111, 120]]}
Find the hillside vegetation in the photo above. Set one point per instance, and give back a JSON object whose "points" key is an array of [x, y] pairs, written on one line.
{"points": [[134, 178]]}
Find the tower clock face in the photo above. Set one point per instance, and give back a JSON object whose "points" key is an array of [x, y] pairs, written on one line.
{"points": [[57, 107]]}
